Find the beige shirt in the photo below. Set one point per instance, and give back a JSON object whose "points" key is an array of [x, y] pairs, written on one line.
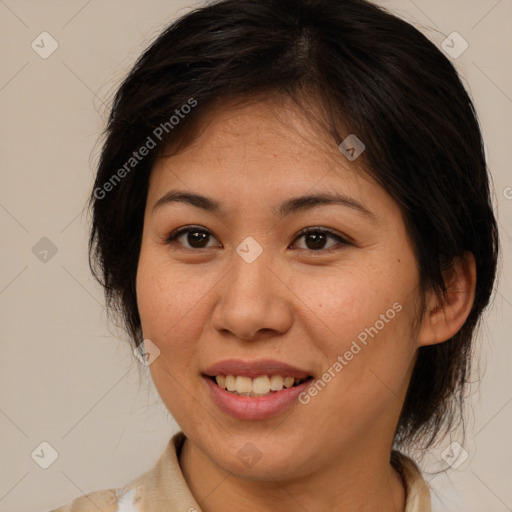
{"points": [[164, 489]]}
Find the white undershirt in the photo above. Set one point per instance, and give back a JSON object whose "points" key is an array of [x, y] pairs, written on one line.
{"points": [[125, 503]]}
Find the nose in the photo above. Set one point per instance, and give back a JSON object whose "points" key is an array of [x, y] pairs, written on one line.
{"points": [[253, 302]]}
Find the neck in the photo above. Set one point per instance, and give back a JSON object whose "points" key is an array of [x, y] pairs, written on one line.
{"points": [[364, 482]]}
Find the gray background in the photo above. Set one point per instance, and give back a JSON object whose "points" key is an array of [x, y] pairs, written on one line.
{"points": [[67, 376]]}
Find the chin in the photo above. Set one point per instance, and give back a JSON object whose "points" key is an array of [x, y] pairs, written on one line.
{"points": [[259, 458]]}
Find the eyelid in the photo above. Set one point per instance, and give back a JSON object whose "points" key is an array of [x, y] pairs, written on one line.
{"points": [[184, 229]]}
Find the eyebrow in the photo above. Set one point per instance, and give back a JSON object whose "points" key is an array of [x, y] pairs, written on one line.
{"points": [[287, 207]]}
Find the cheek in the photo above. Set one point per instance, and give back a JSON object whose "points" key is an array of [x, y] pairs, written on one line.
{"points": [[171, 307], [159, 315], [365, 318], [167, 297], [345, 303], [175, 307]]}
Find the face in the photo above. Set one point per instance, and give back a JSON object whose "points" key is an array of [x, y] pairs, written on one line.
{"points": [[271, 262]]}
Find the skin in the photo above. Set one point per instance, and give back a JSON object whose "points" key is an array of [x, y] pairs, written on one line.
{"points": [[292, 304]]}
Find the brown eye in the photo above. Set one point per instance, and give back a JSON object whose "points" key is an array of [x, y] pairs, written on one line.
{"points": [[191, 238], [316, 239]]}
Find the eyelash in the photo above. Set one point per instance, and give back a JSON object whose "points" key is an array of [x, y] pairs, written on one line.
{"points": [[306, 231]]}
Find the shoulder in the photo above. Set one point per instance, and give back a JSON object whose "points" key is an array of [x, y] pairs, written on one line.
{"points": [[106, 501], [165, 479], [109, 500]]}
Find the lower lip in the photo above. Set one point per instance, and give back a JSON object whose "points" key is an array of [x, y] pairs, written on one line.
{"points": [[255, 408]]}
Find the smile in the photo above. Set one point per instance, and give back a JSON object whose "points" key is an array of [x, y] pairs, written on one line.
{"points": [[260, 386], [255, 390]]}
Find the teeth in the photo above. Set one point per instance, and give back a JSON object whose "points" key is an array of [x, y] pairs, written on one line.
{"points": [[230, 383], [260, 386], [243, 385], [288, 382], [276, 383]]}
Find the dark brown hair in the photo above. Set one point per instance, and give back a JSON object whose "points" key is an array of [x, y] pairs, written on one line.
{"points": [[373, 75]]}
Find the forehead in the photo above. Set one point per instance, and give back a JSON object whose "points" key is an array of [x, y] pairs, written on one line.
{"points": [[272, 141]]}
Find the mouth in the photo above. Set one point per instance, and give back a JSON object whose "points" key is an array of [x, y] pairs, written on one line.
{"points": [[255, 390], [263, 385]]}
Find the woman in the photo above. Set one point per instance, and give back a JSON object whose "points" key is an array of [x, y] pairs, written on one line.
{"points": [[292, 210]]}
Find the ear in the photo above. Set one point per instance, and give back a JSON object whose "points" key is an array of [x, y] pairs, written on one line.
{"points": [[444, 318]]}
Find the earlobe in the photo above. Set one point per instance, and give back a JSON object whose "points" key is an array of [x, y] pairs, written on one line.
{"points": [[444, 318]]}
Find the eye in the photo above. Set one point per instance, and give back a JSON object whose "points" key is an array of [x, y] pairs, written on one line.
{"points": [[195, 236], [315, 239]]}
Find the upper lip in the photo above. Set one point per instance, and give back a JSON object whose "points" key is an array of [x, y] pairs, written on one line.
{"points": [[254, 369]]}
